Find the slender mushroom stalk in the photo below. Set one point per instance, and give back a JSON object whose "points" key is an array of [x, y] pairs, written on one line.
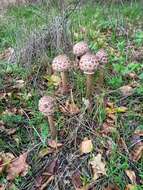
{"points": [[102, 59], [62, 64], [80, 49], [88, 64], [64, 77], [46, 106], [89, 85]]}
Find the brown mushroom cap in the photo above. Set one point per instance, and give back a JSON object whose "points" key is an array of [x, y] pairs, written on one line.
{"points": [[88, 63], [46, 105], [61, 63], [102, 56], [80, 48]]}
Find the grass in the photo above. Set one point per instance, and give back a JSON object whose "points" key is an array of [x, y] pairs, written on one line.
{"points": [[106, 26]]}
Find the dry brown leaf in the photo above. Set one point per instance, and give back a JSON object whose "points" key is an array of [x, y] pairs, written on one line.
{"points": [[108, 128], [7, 131], [47, 175], [19, 84], [7, 54], [131, 175], [137, 152], [86, 146], [18, 167], [131, 187], [126, 90], [5, 159], [70, 108], [139, 132], [98, 166], [2, 187], [111, 187], [77, 182], [54, 144]]}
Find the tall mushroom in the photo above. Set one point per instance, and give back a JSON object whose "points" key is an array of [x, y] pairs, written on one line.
{"points": [[62, 64], [88, 64], [103, 59], [79, 50], [47, 107]]}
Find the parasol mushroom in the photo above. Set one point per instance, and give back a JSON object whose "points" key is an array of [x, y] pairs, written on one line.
{"points": [[62, 64], [79, 50], [88, 64], [102, 59], [47, 107]]}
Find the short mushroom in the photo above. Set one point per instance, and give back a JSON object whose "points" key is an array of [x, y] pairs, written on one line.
{"points": [[103, 59], [47, 107], [62, 64], [80, 49], [88, 64]]}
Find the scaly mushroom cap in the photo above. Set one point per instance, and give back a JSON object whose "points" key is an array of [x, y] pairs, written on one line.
{"points": [[61, 63], [102, 56], [46, 105], [80, 49], [88, 63]]}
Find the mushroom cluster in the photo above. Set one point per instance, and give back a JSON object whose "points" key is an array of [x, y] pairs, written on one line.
{"points": [[88, 63]]}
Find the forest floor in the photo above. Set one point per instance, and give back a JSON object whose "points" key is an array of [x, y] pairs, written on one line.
{"points": [[111, 133]]}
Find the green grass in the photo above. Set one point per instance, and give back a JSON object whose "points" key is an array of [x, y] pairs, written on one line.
{"points": [[101, 25]]}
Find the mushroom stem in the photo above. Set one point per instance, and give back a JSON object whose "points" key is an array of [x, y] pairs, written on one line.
{"points": [[52, 126], [64, 76], [89, 85]]}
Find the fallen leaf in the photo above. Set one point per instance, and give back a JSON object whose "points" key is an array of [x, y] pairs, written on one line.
{"points": [[121, 109], [2, 187], [7, 54], [126, 90], [55, 80], [18, 167], [9, 131], [70, 108], [111, 187], [123, 145], [77, 182], [137, 152], [108, 128], [54, 144], [131, 175], [19, 84], [45, 152], [132, 76], [86, 146], [5, 159], [131, 187], [98, 166]]}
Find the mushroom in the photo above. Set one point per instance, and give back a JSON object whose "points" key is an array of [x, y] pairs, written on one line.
{"points": [[47, 107], [62, 64], [88, 64], [103, 59], [79, 50]]}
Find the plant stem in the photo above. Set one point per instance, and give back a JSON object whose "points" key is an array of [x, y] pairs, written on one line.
{"points": [[52, 127]]}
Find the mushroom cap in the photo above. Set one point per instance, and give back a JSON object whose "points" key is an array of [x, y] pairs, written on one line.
{"points": [[80, 48], [46, 105], [88, 63], [61, 63], [102, 56]]}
